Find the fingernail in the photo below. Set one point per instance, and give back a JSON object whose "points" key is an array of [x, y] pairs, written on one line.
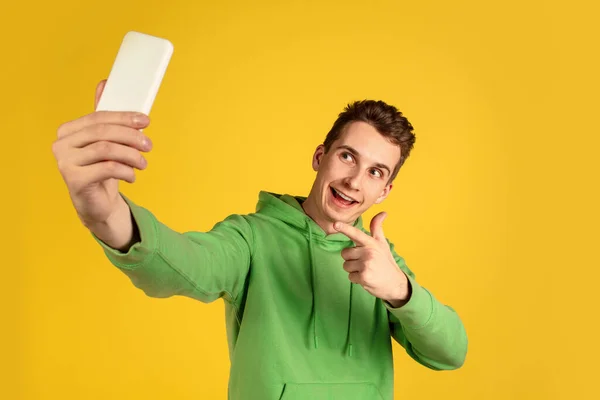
{"points": [[147, 143], [140, 119]]}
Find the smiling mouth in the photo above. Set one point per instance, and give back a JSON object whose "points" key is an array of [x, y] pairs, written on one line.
{"points": [[342, 198]]}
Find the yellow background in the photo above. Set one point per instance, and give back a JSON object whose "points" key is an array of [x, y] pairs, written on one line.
{"points": [[496, 210]]}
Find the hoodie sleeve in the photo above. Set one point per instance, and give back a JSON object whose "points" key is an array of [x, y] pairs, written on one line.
{"points": [[201, 265], [431, 333]]}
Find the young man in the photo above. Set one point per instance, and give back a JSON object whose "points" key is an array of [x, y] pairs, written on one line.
{"points": [[312, 298]]}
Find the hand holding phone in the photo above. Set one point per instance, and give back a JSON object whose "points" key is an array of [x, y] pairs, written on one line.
{"points": [[97, 150]]}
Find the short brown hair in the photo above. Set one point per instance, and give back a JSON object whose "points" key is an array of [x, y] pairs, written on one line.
{"points": [[385, 118]]}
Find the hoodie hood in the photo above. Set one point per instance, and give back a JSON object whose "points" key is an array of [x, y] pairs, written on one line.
{"points": [[288, 209]]}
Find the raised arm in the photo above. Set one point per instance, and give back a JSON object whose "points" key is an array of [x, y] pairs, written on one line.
{"points": [[201, 265]]}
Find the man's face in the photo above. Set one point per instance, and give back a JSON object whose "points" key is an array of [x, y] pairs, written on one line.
{"points": [[353, 175]]}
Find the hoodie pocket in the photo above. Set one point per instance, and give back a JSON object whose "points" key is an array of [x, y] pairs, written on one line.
{"points": [[330, 391]]}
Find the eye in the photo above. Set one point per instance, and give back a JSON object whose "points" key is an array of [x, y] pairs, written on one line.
{"points": [[346, 156], [376, 173]]}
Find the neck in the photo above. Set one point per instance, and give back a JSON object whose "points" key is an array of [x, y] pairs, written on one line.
{"points": [[312, 209]]}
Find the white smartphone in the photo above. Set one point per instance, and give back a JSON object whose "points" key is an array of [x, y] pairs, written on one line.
{"points": [[136, 74]]}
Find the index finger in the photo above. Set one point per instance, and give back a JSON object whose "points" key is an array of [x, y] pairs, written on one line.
{"points": [[355, 234], [132, 119]]}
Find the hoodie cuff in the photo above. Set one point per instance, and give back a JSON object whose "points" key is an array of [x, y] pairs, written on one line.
{"points": [[417, 312], [140, 252]]}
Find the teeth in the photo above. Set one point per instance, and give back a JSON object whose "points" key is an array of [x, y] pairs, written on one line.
{"points": [[344, 196]]}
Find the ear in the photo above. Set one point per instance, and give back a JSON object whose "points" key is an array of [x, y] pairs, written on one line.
{"points": [[316, 161], [386, 191]]}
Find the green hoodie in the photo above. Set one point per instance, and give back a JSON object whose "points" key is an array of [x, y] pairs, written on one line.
{"points": [[297, 328]]}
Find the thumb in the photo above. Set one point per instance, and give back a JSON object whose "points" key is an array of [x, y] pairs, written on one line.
{"points": [[99, 90], [376, 226]]}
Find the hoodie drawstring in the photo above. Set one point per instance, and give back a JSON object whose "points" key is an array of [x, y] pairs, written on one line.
{"points": [[313, 283], [349, 348], [349, 334]]}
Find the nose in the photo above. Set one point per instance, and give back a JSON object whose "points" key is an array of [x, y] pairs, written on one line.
{"points": [[353, 181]]}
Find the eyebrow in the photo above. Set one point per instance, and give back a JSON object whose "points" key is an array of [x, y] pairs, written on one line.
{"points": [[356, 154]]}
